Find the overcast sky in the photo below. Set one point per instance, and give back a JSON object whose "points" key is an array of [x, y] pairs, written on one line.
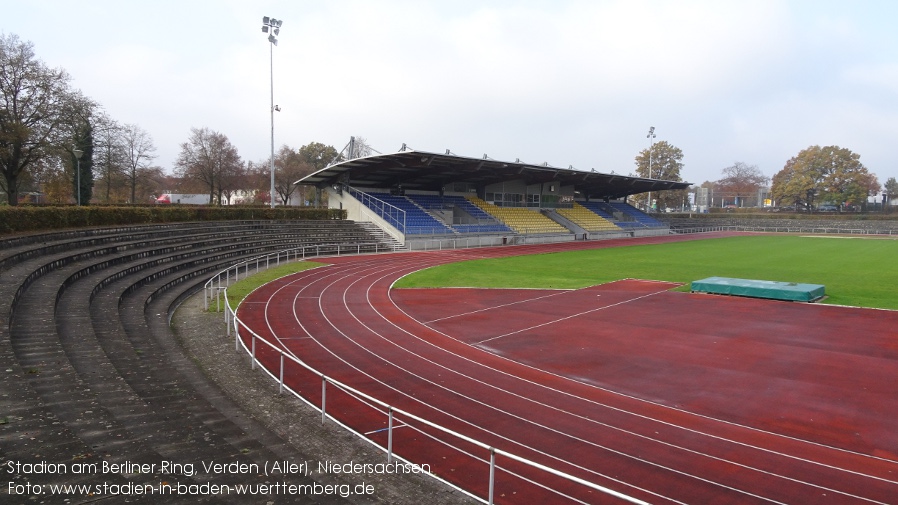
{"points": [[565, 82]]}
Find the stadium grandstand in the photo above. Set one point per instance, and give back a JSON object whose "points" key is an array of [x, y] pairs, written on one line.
{"points": [[420, 197]]}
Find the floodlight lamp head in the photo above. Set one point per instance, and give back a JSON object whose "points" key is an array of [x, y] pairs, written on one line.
{"points": [[264, 28], [272, 40], [265, 20], [277, 31], [280, 22]]}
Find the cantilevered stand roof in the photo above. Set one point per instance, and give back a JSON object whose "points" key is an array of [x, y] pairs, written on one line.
{"points": [[419, 170]]}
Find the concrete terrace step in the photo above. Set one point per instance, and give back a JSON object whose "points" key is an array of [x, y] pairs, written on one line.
{"points": [[91, 372]]}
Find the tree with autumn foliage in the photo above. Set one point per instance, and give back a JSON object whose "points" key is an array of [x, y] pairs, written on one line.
{"points": [[666, 164], [824, 174], [740, 182]]}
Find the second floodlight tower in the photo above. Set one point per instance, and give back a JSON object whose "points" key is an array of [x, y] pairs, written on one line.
{"points": [[651, 137], [272, 27]]}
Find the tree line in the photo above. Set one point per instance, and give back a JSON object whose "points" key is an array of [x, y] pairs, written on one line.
{"points": [[61, 145], [816, 175]]}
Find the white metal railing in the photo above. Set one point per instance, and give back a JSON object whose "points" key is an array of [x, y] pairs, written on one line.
{"points": [[786, 229], [217, 286], [252, 341], [393, 215], [213, 287]]}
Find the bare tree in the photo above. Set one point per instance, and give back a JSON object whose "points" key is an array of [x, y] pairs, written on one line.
{"points": [[109, 158], [137, 154], [289, 167], [209, 157]]}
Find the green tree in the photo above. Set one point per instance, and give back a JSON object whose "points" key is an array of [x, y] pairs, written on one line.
{"points": [[35, 112], [318, 156], [84, 142], [891, 191], [824, 174], [666, 164]]}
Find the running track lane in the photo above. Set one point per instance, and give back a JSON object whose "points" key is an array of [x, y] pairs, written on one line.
{"points": [[345, 323]]}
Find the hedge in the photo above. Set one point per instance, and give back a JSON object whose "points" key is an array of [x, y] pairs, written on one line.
{"points": [[26, 218]]}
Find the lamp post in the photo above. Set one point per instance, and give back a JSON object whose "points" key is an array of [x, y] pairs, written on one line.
{"points": [[651, 137], [77, 153], [272, 27]]}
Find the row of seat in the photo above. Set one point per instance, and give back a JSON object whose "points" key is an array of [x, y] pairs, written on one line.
{"points": [[489, 218], [521, 220], [417, 221], [638, 216], [483, 222]]}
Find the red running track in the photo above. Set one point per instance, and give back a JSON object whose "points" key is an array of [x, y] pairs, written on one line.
{"points": [[667, 397]]}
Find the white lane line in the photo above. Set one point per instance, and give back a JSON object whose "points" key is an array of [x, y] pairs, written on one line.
{"points": [[572, 316], [372, 308]]}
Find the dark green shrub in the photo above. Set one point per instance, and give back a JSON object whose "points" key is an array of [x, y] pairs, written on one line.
{"points": [[25, 218]]}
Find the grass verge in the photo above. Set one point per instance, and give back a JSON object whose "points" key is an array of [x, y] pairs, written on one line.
{"points": [[240, 289]]}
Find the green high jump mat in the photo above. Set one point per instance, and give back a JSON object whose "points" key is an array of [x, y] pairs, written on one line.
{"points": [[775, 290]]}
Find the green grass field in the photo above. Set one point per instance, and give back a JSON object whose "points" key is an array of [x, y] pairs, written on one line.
{"points": [[238, 291], [860, 272]]}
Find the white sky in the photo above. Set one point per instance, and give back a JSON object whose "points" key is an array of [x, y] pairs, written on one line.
{"points": [[564, 82]]}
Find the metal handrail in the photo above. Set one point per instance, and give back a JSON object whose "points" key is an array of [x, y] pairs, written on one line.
{"points": [[210, 288], [785, 229], [392, 410], [233, 322], [392, 214]]}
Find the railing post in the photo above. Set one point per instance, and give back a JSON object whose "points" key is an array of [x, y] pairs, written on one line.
{"points": [[492, 474], [390, 437], [323, 396], [281, 386]]}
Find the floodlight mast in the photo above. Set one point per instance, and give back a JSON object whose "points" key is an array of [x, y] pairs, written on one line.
{"points": [[272, 27], [651, 137]]}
